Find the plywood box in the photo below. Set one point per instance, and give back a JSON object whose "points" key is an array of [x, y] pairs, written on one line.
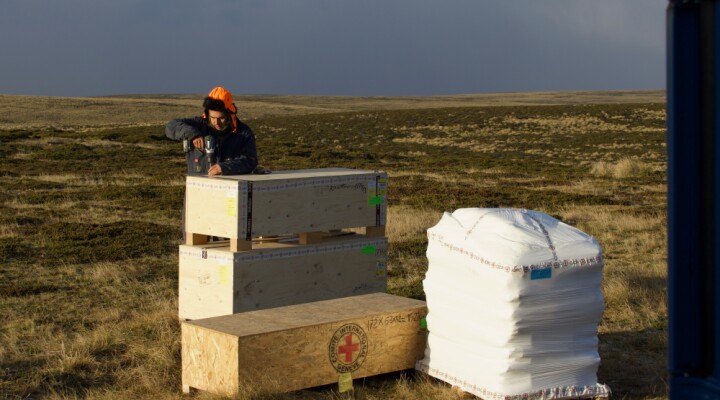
{"points": [[247, 206], [295, 347], [215, 281]]}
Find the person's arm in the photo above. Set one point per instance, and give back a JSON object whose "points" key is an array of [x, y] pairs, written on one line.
{"points": [[184, 128], [245, 157]]}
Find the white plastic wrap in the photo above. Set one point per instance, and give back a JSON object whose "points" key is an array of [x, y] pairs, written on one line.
{"points": [[514, 302]]}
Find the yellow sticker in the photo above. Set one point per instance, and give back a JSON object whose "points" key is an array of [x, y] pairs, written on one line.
{"points": [[224, 272], [380, 267], [382, 187], [372, 188], [232, 203], [345, 382]]}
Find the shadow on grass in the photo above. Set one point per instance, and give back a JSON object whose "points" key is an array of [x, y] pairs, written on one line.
{"points": [[634, 363]]}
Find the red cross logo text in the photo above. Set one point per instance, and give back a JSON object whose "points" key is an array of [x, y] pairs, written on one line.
{"points": [[348, 348]]}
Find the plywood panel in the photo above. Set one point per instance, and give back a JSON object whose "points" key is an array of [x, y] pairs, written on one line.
{"points": [[209, 360], [214, 281], [306, 345], [246, 206], [211, 206]]}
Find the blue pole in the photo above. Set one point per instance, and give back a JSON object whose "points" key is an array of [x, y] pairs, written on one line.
{"points": [[693, 187]]}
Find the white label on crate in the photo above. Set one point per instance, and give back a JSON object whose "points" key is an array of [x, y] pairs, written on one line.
{"points": [[377, 188], [381, 267], [382, 187], [224, 274], [232, 203]]}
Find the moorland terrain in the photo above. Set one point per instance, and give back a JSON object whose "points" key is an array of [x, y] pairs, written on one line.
{"points": [[92, 197]]}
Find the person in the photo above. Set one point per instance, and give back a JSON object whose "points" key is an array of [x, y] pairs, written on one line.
{"points": [[217, 143]]}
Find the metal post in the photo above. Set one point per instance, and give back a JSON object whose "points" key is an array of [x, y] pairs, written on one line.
{"points": [[693, 187]]}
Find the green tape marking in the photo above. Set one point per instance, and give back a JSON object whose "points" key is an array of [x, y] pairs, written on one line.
{"points": [[369, 249], [376, 200]]}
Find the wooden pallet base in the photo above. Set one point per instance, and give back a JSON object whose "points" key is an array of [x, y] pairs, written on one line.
{"points": [[304, 238]]}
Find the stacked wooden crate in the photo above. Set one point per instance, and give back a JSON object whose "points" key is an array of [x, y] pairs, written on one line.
{"points": [[215, 281], [303, 345], [305, 202], [288, 240], [294, 295]]}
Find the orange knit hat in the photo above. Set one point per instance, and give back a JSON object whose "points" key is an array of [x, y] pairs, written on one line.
{"points": [[223, 95], [220, 93]]}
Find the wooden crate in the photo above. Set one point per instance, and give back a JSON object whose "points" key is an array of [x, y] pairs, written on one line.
{"points": [[215, 281], [241, 207], [306, 345]]}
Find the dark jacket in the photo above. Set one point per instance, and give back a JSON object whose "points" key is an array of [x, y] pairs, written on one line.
{"points": [[235, 152]]}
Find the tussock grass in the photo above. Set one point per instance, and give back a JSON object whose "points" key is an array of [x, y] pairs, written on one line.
{"points": [[408, 223], [624, 168], [9, 230], [90, 221]]}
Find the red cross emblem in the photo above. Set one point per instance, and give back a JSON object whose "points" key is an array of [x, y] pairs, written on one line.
{"points": [[348, 348]]}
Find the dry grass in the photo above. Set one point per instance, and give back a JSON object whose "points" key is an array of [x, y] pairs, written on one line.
{"points": [[88, 277], [635, 263], [408, 223], [624, 168], [92, 113]]}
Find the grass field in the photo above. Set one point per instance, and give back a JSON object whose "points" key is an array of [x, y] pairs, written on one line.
{"points": [[92, 195]]}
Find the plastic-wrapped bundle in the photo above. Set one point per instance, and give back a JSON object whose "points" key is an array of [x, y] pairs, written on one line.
{"points": [[514, 302]]}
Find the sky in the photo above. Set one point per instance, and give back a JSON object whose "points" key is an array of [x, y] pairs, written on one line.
{"points": [[330, 47]]}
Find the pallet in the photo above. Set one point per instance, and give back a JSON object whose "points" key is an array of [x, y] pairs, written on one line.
{"points": [[295, 347], [243, 207], [213, 280], [236, 244]]}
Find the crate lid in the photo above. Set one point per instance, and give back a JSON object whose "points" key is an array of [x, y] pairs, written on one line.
{"points": [[311, 314]]}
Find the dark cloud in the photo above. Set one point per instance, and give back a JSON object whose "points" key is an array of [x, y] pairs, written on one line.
{"points": [[334, 47]]}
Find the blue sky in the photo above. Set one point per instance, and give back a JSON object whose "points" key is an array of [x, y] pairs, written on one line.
{"points": [[330, 47]]}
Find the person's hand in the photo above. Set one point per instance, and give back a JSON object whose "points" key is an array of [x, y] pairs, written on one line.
{"points": [[215, 170], [198, 142]]}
